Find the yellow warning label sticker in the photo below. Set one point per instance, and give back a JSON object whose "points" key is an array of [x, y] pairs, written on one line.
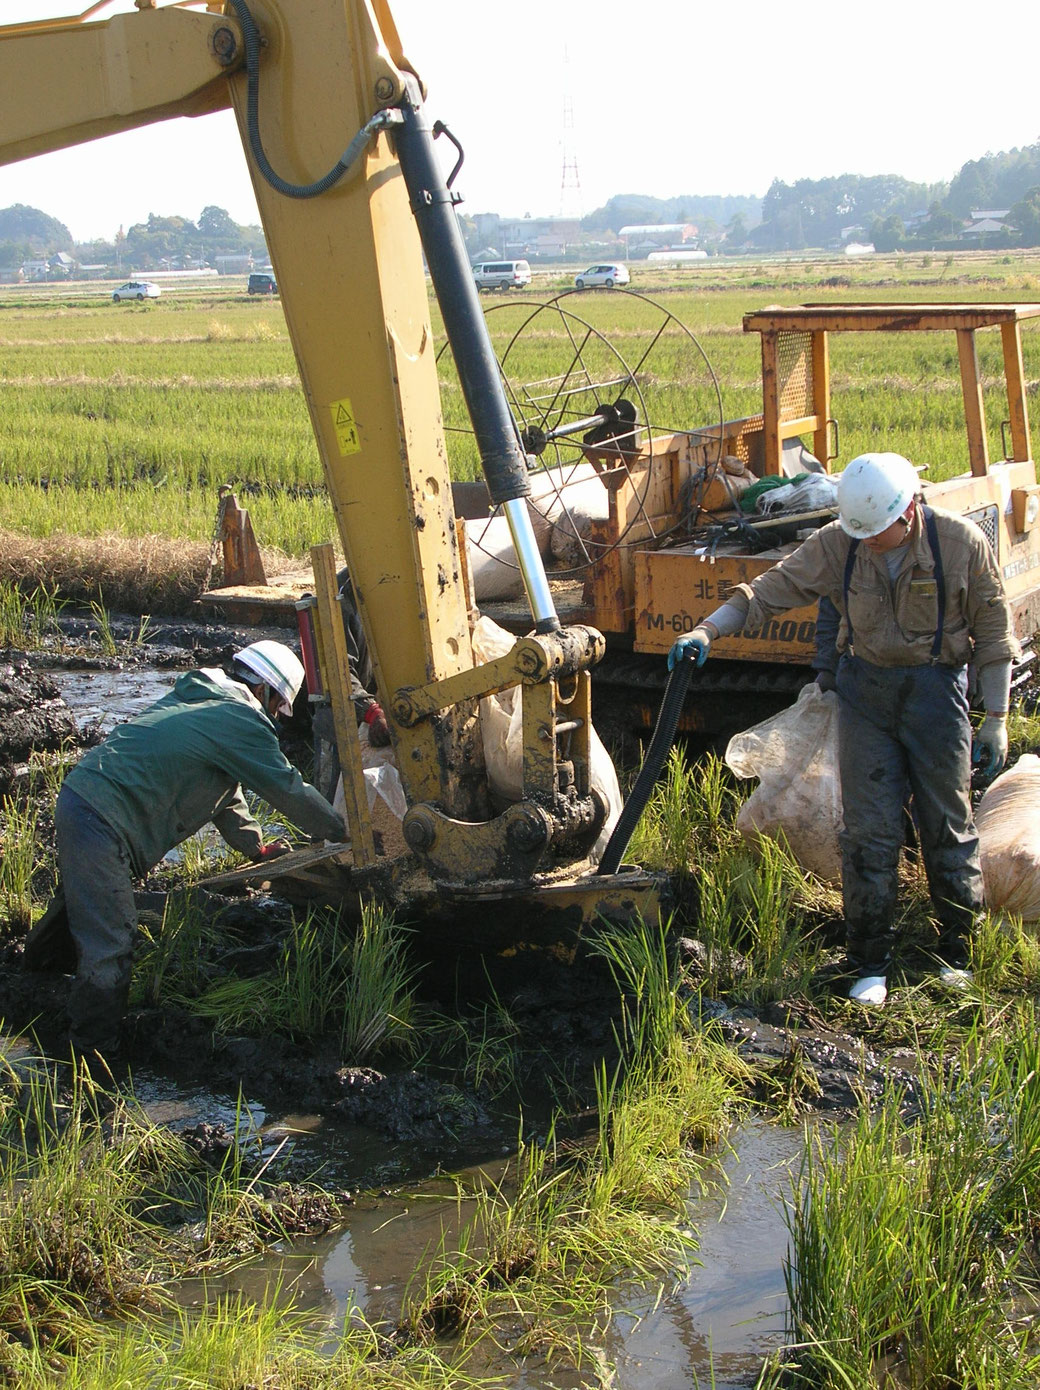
{"points": [[345, 426]]}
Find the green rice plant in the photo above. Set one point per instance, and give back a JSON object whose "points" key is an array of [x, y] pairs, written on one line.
{"points": [[231, 1342], [571, 1224], [753, 923], [379, 995], [27, 620], [1005, 956], [27, 867], [484, 1045], [358, 988], [910, 1237], [103, 622], [76, 1179], [690, 812], [640, 963], [19, 854], [174, 962]]}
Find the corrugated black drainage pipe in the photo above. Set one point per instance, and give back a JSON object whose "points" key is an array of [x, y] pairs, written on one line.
{"points": [[660, 743]]}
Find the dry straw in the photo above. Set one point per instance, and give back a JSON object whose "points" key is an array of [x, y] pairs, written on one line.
{"points": [[135, 574]]}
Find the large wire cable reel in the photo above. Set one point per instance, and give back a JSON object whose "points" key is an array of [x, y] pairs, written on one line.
{"points": [[592, 378]]}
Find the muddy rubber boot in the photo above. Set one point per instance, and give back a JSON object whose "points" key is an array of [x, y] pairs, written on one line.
{"points": [[95, 1017], [49, 946]]}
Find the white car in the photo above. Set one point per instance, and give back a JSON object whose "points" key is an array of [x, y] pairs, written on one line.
{"points": [[136, 289], [606, 275]]}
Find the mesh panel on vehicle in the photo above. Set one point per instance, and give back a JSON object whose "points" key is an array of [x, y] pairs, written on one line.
{"points": [[794, 374], [985, 518]]}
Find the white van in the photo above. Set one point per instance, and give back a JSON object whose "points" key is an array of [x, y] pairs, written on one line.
{"points": [[502, 275]]}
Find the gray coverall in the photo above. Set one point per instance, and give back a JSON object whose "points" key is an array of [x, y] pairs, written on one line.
{"points": [[153, 782], [903, 715]]}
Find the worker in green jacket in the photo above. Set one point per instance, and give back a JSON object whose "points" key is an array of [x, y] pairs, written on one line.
{"points": [[152, 783]]}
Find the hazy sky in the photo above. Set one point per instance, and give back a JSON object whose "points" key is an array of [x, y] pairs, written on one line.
{"points": [[668, 98]]}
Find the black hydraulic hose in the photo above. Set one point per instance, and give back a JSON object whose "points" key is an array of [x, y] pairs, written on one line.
{"points": [[660, 743], [382, 120]]}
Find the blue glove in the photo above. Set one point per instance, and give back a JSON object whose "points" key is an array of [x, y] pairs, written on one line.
{"points": [[989, 750], [695, 645]]}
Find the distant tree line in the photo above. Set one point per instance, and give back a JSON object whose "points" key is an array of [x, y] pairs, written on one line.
{"points": [[28, 234], [886, 209]]}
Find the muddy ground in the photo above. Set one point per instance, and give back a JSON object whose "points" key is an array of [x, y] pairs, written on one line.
{"points": [[562, 1017]]}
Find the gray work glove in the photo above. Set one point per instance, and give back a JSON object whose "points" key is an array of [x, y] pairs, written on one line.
{"points": [[694, 646], [827, 680], [989, 750]]}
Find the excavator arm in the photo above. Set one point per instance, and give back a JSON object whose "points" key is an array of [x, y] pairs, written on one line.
{"points": [[351, 196]]}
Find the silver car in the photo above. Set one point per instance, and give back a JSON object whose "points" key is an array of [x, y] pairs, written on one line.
{"points": [[136, 289], [606, 275]]}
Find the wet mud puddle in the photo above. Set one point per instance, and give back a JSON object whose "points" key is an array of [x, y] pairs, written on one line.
{"points": [[714, 1329], [106, 698]]}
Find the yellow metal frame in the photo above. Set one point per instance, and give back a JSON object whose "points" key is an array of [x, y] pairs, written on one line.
{"points": [[350, 273]]}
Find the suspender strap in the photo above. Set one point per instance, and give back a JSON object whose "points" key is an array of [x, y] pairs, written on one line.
{"points": [[940, 579], [850, 565], [932, 532]]}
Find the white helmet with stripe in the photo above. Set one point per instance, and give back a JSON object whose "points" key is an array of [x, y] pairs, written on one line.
{"points": [[276, 666], [874, 490]]}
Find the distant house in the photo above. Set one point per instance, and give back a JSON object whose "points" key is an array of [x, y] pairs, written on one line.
{"points": [[643, 238], [985, 222], [11, 275], [537, 236], [233, 265]]}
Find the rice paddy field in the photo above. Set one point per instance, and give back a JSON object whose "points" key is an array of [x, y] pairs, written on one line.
{"points": [[583, 1243], [121, 420]]}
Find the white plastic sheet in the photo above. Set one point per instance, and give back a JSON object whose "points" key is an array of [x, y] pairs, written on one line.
{"points": [[382, 779], [501, 722], [1008, 821], [795, 757]]}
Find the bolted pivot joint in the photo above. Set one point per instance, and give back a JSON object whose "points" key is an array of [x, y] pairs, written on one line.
{"points": [[559, 653], [529, 830], [404, 711], [223, 43], [420, 830]]}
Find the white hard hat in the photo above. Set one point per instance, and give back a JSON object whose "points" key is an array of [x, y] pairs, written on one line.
{"points": [[873, 491], [277, 667]]}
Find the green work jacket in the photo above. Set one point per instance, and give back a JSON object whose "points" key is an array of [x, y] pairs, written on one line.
{"points": [[183, 763]]}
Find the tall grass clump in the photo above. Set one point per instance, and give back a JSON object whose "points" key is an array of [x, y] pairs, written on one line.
{"points": [[911, 1238], [754, 920], [354, 986], [27, 620], [232, 1343], [27, 868], [574, 1223], [73, 1196], [689, 813], [173, 962]]}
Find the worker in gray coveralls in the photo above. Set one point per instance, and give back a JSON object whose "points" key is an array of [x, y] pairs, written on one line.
{"points": [[920, 596], [153, 782]]}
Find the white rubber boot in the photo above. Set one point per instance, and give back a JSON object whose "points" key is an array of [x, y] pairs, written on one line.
{"points": [[869, 989]]}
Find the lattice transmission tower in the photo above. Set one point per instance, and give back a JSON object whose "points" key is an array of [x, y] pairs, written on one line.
{"points": [[571, 204]]}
